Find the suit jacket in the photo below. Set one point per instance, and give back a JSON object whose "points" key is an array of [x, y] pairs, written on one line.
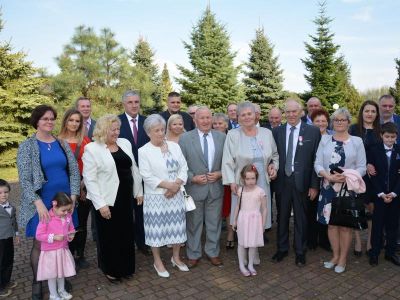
{"points": [[304, 174], [191, 149], [396, 119], [100, 173], [8, 224], [187, 119], [126, 133], [230, 125], [385, 180], [91, 128]]}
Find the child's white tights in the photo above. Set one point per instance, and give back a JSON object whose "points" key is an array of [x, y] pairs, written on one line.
{"points": [[53, 283], [242, 258]]}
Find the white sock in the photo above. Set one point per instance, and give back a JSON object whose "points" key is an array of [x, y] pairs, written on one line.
{"points": [[60, 283], [52, 287], [252, 257], [241, 257]]}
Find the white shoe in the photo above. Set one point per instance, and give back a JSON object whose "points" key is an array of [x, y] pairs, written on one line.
{"points": [[329, 265], [65, 295], [164, 274], [340, 269], [181, 267], [55, 297]]}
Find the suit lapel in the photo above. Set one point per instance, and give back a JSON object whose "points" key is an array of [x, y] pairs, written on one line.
{"points": [[217, 147], [197, 145], [125, 126], [283, 139], [301, 134]]}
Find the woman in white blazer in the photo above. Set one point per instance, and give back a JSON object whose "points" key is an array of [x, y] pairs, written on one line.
{"points": [[164, 171], [113, 181]]}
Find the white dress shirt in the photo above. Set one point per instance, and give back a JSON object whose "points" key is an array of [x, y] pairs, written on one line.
{"points": [[295, 139], [130, 122], [211, 147], [7, 207]]}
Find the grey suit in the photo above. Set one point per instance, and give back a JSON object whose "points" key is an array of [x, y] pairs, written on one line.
{"points": [[207, 197], [8, 224]]}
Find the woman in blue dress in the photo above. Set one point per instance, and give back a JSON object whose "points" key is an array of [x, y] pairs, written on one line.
{"points": [[45, 166]]}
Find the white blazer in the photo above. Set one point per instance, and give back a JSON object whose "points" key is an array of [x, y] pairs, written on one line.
{"points": [[100, 173], [153, 169]]}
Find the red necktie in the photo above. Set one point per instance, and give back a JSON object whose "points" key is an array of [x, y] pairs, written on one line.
{"points": [[135, 132]]}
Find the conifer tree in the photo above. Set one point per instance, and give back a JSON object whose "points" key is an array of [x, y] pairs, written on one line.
{"points": [[165, 87], [263, 81], [395, 91], [212, 80]]}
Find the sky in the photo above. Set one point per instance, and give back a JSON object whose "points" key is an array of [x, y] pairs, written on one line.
{"points": [[366, 30]]}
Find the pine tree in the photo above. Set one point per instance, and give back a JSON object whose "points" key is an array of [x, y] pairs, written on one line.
{"points": [[263, 81], [20, 92], [212, 81], [165, 87], [325, 75], [395, 91], [143, 58]]}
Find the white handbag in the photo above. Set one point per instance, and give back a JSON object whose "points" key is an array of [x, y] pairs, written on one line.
{"points": [[189, 202]]}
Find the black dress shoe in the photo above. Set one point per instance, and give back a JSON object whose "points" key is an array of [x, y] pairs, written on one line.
{"points": [[373, 260], [394, 259], [300, 260], [266, 240], [357, 253], [279, 256], [37, 290]]}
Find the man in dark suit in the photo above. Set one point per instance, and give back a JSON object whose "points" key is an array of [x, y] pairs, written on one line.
{"points": [[313, 104], [274, 118], [297, 145], [174, 107], [84, 106], [385, 157], [232, 115], [132, 130]]}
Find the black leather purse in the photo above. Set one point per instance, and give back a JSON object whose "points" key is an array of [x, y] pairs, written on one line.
{"points": [[348, 210]]}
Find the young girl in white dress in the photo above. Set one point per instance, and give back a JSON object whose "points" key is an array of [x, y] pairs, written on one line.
{"points": [[56, 261], [250, 215]]}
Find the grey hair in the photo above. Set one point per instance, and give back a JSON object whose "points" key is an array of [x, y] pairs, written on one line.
{"points": [[341, 111], [245, 105], [293, 100], [152, 121], [223, 116], [129, 93], [386, 97], [257, 107], [200, 108]]}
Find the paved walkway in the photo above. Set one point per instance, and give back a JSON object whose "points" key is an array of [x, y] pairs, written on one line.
{"points": [[274, 281]]}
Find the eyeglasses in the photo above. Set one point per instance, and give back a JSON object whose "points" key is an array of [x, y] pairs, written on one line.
{"points": [[340, 120], [192, 113], [47, 119]]}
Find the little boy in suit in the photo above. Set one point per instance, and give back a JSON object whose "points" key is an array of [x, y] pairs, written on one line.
{"points": [[8, 230], [385, 157]]}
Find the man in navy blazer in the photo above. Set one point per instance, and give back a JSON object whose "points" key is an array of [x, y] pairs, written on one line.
{"points": [[297, 183], [385, 157], [132, 130], [174, 107], [387, 105]]}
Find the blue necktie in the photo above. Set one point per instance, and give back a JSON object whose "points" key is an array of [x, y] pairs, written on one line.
{"points": [[205, 147]]}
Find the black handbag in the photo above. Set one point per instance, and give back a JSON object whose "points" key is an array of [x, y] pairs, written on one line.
{"points": [[348, 210]]}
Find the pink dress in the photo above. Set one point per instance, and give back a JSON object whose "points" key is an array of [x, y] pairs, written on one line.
{"points": [[249, 224], [55, 260]]}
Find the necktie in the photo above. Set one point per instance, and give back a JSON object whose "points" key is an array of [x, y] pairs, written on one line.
{"points": [[87, 126], [135, 131], [205, 147], [289, 154]]}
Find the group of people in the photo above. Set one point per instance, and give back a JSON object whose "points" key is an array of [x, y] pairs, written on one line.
{"points": [[133, 174]]}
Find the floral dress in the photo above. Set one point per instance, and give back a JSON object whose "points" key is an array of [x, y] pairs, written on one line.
{"points": [[338, 159]]}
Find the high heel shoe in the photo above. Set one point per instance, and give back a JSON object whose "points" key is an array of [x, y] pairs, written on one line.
{"points": [[182, 267], [163, 274]]}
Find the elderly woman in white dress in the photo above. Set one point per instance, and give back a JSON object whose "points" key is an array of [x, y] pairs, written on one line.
{"points": [[249, 144], [164, 171]]}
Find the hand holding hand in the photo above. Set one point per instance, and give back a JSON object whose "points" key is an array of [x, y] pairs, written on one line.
{"points": [[337, 177], [213, 176], [105, 212], [199, 179], [58, 237], [272, 171]]}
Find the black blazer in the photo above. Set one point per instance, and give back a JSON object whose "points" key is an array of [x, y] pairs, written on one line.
{"points": [[304, 174], [377, 157], [188, 123], [91, 128], [126, 133]]}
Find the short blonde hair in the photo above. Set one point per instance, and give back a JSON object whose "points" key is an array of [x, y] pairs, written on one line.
{"points": [[171, 119], [103, 125]]}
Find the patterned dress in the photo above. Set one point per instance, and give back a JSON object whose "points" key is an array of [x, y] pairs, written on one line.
{"points": [[338, 159], [165, 218]]}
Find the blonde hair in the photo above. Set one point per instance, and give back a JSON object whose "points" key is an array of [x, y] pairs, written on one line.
{"points": [[172, 119], [102, 126], [80, 133]]}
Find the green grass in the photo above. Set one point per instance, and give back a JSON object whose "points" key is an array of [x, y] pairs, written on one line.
{"points": [[9, 174]]}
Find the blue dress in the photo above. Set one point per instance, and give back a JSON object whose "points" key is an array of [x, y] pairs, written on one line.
{"points": [[54, 166], [338, 159]]}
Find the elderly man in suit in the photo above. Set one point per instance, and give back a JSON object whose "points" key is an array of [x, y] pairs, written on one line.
{"points": [[203, 148], [297, 145], [84, 106], [132, 130], [313, 104], [232, 115]]}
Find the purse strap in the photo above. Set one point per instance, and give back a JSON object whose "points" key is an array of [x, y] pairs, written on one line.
{"points": [[240, 198]]}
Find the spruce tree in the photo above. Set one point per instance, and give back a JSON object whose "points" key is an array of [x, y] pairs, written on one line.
{"points": [[324, 65], [165, 87], [212, 80], [263, 81], [395, 91]]}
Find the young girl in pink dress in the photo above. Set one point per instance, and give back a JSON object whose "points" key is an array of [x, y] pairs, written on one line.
{"points": [[56, 261], [250, 215]]}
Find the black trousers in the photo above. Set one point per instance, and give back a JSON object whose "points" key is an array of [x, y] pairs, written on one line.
{"points": [[285, 200], [317, 233], [6, 260], [77, 246], [139, 225], [385, 217]]}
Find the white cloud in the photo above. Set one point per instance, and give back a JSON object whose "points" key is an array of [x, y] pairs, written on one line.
{"points": [[363, 15]]}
